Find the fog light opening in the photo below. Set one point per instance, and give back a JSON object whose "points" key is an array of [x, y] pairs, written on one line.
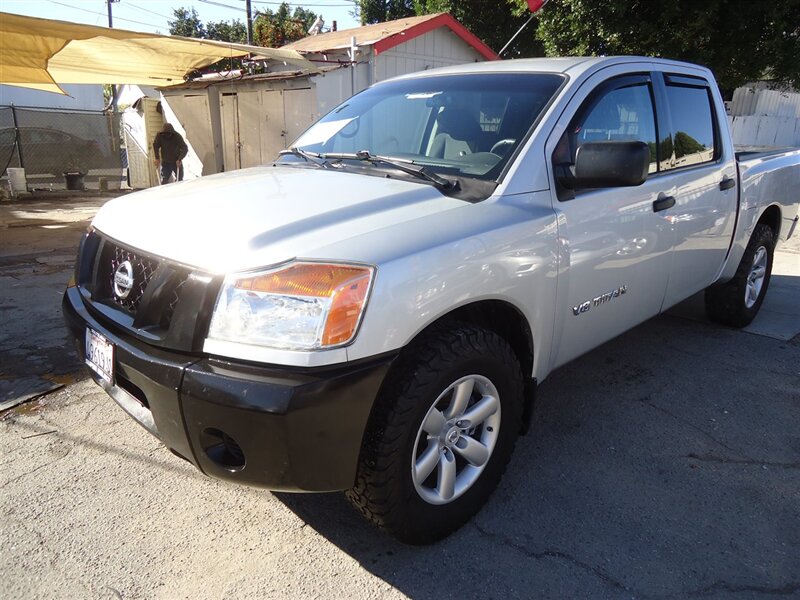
{"points": [[222, 449]]}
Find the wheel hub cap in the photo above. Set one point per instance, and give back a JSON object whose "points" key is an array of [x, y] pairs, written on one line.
{"points": [[452, 436], [456, 439], [755, 279]]}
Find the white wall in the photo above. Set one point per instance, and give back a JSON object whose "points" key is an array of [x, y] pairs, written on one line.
{"points": [[81, 97], [438, 48], [334, 87], [759, 130], [751, 100], [764, 117], [128, 94]]}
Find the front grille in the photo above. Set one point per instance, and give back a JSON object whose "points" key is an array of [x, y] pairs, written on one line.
{"points": [[168, 305], [154, 309], [144, 268], [173, 301]]}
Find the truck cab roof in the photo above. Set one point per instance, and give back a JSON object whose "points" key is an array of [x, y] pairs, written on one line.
{"points": [[572, 66]]}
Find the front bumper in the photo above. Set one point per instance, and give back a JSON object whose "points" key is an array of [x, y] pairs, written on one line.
{"points": [[276, 427]]}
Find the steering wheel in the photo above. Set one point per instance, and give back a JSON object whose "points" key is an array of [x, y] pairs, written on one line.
{"points": [[502, 144]]}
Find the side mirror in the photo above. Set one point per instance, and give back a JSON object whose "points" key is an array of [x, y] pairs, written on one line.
{"points": [[607, 164]]}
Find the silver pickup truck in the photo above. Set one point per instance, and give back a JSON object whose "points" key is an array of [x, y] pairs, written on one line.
{"points": [[373, 311]]}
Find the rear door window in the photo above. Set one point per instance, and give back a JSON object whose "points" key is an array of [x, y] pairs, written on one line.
{"points": [[693, 124]]}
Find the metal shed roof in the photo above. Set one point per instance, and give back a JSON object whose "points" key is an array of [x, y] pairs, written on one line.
{"points": [[387, 35]]}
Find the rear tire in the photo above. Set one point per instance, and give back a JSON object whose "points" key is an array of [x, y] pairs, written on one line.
{"points": [[736, 302], [441, 434]]}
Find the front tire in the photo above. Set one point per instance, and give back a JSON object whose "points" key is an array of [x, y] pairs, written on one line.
{"points": [[736, 302], [441, 434]]}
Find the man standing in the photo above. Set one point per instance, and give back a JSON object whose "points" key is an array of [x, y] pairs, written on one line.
{"points": [[169, 150]]}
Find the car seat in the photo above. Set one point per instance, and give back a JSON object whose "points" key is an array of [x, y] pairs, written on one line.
{"points": [[457, 134]]}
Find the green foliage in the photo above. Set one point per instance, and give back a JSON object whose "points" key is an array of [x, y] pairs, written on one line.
{"points": [[740, 40], [227, 31], [686, 144], [187, 23], [377, 11], [493, 22], [280, 27]]}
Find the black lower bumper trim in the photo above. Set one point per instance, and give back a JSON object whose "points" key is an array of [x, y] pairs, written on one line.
{"points": [[282, 428]]}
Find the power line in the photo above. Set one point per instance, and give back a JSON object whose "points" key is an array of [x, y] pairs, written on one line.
{"points": [[301, 4], [94, 12], [304, 4], [147, 10], [236, 8]]}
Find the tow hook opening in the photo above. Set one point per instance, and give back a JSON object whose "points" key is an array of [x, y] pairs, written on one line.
{"points": [[222, 449]]}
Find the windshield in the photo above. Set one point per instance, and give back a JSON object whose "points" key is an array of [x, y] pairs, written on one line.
{"points": [[456, 125]]}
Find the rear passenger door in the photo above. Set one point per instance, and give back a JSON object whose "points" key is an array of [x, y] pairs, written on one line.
{"points": [[704, 181]]}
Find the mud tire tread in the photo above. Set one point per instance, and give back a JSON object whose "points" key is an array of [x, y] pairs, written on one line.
{"points": [[725, 302], [383, 493]]}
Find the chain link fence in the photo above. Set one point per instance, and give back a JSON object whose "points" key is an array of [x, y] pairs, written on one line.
{"points": [[54, 146]]}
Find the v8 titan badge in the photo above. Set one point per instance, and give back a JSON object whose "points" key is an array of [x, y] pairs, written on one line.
{"points": [[601, 299]]}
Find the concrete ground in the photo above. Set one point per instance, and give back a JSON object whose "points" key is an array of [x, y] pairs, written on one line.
{"points": [[665, 464], [38, 241]]}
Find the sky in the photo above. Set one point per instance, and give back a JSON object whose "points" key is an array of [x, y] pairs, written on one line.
{"points": [[152, 15]]}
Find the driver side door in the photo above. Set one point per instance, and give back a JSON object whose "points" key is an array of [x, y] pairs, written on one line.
{"points": [[615, 243]]}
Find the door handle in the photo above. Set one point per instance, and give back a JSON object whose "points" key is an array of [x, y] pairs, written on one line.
{"points": [[727, 183], [663, 203]]}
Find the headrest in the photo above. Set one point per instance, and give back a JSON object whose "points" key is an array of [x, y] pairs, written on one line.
{"points": [[459, 124]]}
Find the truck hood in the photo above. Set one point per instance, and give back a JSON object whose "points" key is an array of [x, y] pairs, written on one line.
{"points": [[264, 215]]}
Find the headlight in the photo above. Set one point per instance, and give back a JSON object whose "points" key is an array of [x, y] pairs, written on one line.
{"points": [[302, 306]]}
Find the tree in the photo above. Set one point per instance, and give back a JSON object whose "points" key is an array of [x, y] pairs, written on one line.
{"points": [[686, 144], [740, 40], [377, 11], [187, 24], [494, 23], [280, 27], [227, 31]]}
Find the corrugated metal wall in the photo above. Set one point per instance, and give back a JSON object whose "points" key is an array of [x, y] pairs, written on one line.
{"points": [[438, 48], [769, 103], [764, 117], [754, 130]]}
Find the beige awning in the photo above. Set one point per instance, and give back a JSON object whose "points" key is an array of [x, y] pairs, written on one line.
{"points": [[41, 54]]}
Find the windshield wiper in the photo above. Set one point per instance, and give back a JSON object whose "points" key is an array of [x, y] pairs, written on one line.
{"points": [[396, 163], [312, 157]]}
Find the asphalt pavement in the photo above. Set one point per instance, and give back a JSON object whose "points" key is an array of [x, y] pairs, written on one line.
{"points": [[664, 464]]}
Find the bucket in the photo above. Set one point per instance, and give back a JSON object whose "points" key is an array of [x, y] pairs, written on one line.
{"points": [[74, 181], [16, 180]]}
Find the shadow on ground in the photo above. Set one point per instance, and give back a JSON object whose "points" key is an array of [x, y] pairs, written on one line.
{"points": [[665, 463]]}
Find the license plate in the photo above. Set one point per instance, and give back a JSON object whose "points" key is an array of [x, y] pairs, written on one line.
{"points": [[100, 355]]}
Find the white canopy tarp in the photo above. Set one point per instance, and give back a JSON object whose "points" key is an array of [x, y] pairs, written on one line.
{"points": [[42, 53]]}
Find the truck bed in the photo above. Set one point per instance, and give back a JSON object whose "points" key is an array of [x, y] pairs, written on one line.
{"points": [[758, 152]]}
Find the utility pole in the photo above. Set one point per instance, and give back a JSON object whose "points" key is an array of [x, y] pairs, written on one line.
{"points": [[248, 8], [111, 26]]}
